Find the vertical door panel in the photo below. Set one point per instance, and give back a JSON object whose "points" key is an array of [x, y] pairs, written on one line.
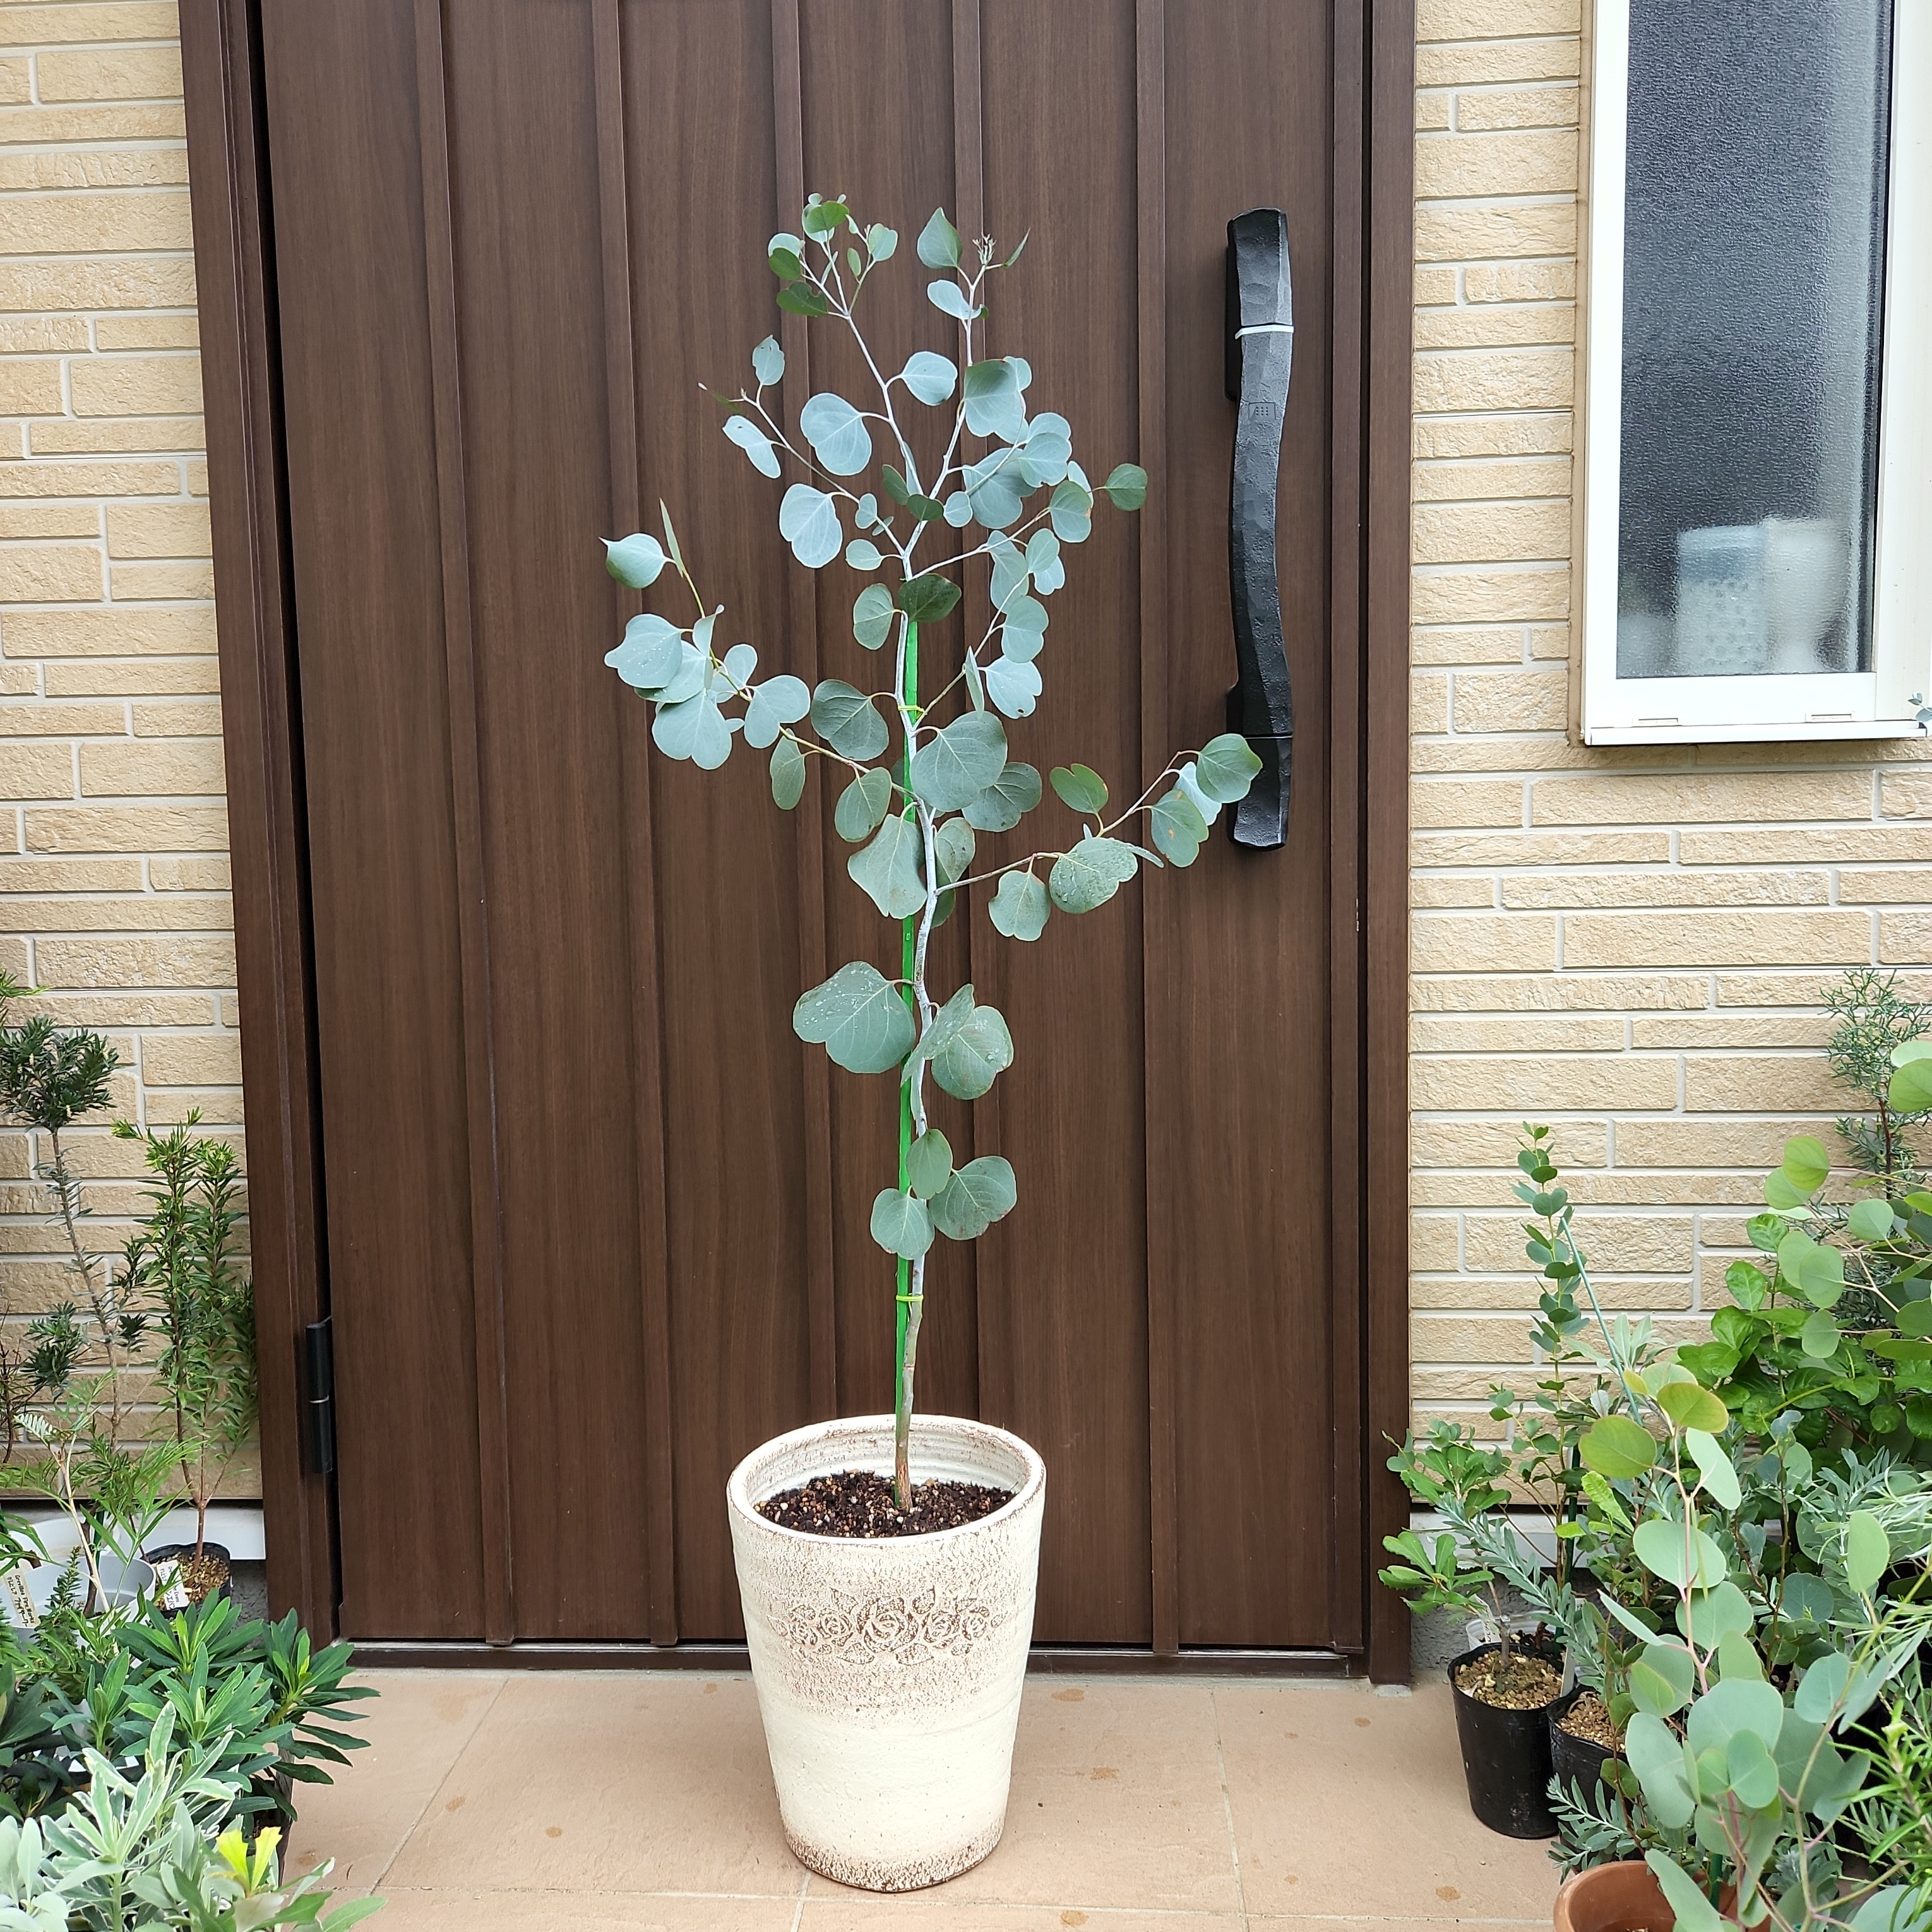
{"points": [[525, 201], [1064, 1307], [365, 539], [699, 105], [1239, 1074]]}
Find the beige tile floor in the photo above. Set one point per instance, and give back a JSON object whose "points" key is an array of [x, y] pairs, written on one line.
{"points": [[553, 1802]]}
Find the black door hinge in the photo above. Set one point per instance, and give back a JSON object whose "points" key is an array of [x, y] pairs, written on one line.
{"points": [[320, 1406]]}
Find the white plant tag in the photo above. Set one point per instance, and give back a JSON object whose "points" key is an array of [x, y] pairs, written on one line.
{"points": [[20, 1599], [170, 1591], [1480, 1630]]}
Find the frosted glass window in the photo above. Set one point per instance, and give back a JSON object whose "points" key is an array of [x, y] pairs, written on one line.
{"points": [[1753, 272]]}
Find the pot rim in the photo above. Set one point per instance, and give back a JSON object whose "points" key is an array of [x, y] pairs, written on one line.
{"points": [[737, 1488], [1483, 1650]]}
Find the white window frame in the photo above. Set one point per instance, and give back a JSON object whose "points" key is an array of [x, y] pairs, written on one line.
{"points": [[1875, 704]]}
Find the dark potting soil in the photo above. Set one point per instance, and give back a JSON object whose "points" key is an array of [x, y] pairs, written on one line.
{"points": [[858, 1502], [1589, 1718], [1522, 1681]]}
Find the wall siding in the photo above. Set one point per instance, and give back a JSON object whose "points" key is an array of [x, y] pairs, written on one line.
{"points": [[114, 881], [1628, 943]]}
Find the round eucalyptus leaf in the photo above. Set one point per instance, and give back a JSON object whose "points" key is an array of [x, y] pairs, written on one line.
{"points": [[802, 299], [872, 615], [768, 360], [1226, 768], [954, 766], [953, 845], [901, 1224], [861, 555], [980, 1193], [1090, 875], [1043, 550], [777, 702], [754, 441], [1001, 806], [837, 432], [1867, 1553], [788, 775], [738, 665], [1911, 1089], [1188, 779], [993, 490], [808, 521], [785, 261], [926, 599], [929, 1163], [1690, 1407], [1678, 1553], [848, 720], [967, 1064], [1617, 1447], [1178, 828], [1806, 1164], [1013, 685], [1718, 1476], [1126, 486], [1657, 1755], [1020, 906], [858, 1016], [693, 675], [939, 242], [957, 509], [1080, 788], [648, 658], [1071, 510], [888, 869], [1872, 1220], [881, 242], [948, 299], [930, 378], [1819, 1337], [1734, 1705], [694, 729], [1662, 1679], [638, 560], [863, 805], [822, 218], [993, 404], [1023, 628]]}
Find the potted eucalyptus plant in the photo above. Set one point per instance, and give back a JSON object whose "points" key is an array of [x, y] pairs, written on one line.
{"points": [[887, 1564]]}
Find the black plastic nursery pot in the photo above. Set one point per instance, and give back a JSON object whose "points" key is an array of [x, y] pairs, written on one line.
{"points": [[181, 1551], [1505, 1759], [1578, 1763]]}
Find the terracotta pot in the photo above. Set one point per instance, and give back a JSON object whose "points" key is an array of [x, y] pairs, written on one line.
{"points": [[889, 1669], [1624, 1896]]}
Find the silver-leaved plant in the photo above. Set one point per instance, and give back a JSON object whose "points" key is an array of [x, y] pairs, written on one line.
{"points": [[922, 779]]}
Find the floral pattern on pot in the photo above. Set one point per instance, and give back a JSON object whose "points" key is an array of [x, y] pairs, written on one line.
{"points": [[908, 1629]]}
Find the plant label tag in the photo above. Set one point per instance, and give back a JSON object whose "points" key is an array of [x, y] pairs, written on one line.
{"points": [[1480, 1630], [171, 1592], [20, 1605]]}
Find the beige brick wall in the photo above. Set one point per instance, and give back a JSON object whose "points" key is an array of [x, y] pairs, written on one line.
{"points": [[1628, 943], [113, 834]]}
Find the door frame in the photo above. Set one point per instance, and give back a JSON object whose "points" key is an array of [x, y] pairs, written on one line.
{"points": [[235, 266]]}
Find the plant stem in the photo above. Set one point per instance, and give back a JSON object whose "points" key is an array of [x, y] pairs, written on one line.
{"points": [[909, 1303]]}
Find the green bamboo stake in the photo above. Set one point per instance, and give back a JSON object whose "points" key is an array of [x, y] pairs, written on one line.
{"points": [[908, 963]]}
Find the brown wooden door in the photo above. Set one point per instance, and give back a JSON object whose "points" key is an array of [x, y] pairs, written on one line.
{"points": [[596, 1221]]}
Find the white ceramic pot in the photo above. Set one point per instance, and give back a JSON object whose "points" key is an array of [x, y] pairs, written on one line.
{"points": [[889, 1669]]}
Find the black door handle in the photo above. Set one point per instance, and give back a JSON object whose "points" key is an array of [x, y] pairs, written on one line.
{"points": [[1260, 355]]}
